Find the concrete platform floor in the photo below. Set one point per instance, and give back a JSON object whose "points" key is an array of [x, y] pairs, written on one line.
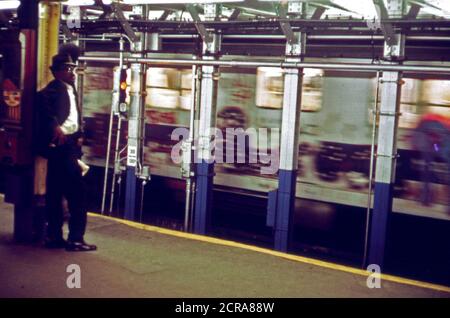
{"points": [[154, 262]]}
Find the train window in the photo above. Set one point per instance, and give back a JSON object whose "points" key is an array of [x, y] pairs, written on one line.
{"points": [[436, 93], [168, 88], [408, 103], [97, 86], [312, 90], [270, 85], [186, 85], [420, 97]]}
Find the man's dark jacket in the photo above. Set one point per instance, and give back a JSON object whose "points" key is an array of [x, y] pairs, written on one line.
{"points": [[53, 108]]}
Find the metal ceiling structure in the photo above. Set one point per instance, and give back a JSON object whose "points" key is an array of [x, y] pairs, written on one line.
{"points": [[354, 29]]}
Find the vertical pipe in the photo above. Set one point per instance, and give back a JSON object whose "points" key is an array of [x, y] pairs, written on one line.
{"points": [[80, 75], [115, 108], [116, 167], [108, 144], [372, 155], [187, 207], [189, 183]]}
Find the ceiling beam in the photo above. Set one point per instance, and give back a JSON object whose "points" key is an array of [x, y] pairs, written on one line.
{"points": [[123, 22], [204, 34], [386, 27]]}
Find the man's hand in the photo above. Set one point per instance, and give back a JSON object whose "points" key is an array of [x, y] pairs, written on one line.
{"points": [[80, 141], [58, 136]]}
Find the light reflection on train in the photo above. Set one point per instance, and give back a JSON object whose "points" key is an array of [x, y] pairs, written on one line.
{"points": [[335, 138]]}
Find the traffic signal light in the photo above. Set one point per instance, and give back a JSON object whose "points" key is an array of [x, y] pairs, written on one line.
{"points": [[123, 87]]}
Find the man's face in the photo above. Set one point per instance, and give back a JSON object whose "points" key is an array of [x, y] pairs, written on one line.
{"points": [[66, 74]]}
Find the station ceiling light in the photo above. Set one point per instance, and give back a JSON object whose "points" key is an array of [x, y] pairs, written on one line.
{"points": [[177, 1], [9, 4], [83, 2], [440, 8], [363, 8]]}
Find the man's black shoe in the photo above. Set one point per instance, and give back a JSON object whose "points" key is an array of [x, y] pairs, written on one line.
{"points": [[60, 243], [79, 246]]}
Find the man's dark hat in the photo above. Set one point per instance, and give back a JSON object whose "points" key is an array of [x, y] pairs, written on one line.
{"points": [[70, 49], [60, 60]]}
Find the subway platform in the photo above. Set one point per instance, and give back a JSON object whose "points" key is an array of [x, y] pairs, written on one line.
{"points": [[135, 260]]}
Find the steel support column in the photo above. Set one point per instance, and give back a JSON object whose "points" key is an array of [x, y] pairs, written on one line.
{"points": [[135, 133], [49, 18], [387, 144], [290, 122], [133, 141], [28, 216], [207, 122]]}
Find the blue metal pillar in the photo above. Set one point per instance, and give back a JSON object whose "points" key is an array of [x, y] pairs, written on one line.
{"points": [[290, 129], [202, 216], [205, 159], [135, 133], [381, 210], [387, 140], [385, 165], [130, 195], [285, 206], [207, 123]]}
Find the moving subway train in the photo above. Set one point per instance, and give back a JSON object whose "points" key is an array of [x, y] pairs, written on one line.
{"points": [[335, 138]]}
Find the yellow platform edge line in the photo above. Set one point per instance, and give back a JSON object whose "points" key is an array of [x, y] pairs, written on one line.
{"points": [[291, 257]]}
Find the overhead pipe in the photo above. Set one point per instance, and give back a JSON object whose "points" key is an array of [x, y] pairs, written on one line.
{"points": [[280, 64], [110, 37]]}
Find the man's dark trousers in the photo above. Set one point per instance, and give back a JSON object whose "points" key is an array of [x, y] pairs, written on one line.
{"points": [[64, 179]]}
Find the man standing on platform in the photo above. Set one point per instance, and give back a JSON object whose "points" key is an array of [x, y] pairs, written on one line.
{"points": [[59, 139]]}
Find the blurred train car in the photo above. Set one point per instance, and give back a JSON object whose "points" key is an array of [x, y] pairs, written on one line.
{"points": [[335, 137]]}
